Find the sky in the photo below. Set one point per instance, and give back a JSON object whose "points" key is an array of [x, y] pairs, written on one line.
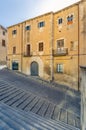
{"points": [[15, 11]]}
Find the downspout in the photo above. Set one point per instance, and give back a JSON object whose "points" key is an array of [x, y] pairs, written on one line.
{"points": [[78, 50], [21, 46], [51, 53]]}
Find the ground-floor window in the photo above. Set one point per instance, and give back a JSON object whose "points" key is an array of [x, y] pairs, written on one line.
{"points": [[59, 68], [15, 65]]}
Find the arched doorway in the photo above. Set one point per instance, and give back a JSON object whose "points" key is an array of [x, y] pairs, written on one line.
{"points": [[34, 69]]}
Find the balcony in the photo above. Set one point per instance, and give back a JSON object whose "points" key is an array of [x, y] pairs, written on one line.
{"points": [[60, 51], [27, 54]]}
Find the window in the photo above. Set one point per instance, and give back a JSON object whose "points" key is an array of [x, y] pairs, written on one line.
{"points": [[41, 24], [14, 32], [3, 43], [60, 20], [70, 19], [60, 43], [59, 68], [14, 50], [28, 50], [41, 46], [3, 32], [28, 27]]}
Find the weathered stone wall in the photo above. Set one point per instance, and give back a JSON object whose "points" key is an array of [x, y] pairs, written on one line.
{"points": [[3, 49], [83, 98]]}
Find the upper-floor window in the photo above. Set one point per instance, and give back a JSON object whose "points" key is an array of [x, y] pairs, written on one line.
{"points": [[28, 50], [3, 32], [60, 20], [41, 46], [41, 24], [14, 32], [3, 43], [28, 27], [60, 43], [70, 19], [14, 50]]}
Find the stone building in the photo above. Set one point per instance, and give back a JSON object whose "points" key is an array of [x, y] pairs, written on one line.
{"points": [[3, 45], [49, 45]]}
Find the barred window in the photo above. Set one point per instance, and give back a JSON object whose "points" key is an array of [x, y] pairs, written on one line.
{"points": [[59, 68]]}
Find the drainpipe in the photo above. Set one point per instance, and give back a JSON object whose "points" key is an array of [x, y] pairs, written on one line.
{"points": [[51, 50], [21, 46], [78, 50]]}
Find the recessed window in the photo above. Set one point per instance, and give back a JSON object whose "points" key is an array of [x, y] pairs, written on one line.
{"points": [[3, 43], [41, 24], [59, 68], [14, 50], [14, 32], [70, 19], [60, 20], [28, 50], [3, 32], [41, 46], [60, 43], [28, 27]]}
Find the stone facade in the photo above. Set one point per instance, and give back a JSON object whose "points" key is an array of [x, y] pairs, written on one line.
{"points": [[49, 45], [3, 45], [83, 98]]}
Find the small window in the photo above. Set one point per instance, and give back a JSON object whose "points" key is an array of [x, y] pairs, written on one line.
{"points": [[41, 46], [14, 50], [14, 32], [60, 20], [41, 24], [3, 43], [60, 43], [3, 32], [59, 68], [70, 19], [28, 27]]}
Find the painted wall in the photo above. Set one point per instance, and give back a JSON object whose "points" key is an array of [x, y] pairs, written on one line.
{"points": [[68, 32], [3, 49]]}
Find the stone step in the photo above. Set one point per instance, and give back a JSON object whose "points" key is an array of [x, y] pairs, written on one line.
{"points": [[15, 119], [27, 101]]}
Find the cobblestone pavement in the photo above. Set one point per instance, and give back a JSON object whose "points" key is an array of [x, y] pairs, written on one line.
{"points": [[45, 99], [15, 119]]}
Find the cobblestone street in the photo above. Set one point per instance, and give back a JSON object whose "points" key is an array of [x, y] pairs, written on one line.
{"points": [[50, 101]]}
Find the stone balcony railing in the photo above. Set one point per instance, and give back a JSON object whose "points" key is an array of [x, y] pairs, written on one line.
{"points": [[60, 51]]}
